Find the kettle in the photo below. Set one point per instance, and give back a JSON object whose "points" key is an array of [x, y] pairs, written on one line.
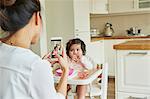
{"points": [[108, 30]]}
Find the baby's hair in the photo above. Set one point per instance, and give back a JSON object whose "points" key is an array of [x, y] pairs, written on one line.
{"points": [[75, 41]]}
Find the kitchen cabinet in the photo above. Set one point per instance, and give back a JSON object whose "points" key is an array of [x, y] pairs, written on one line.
{"points": [[81, 20], [99, 6], [117, 6], [122, 95], [68, 19], [81, 15], [120, 6], [132, 70], [143, 4], [110, 53], [132, 73]]}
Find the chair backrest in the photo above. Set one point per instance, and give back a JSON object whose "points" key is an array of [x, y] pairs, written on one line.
{"points": [[102, 89], [104, 82]]}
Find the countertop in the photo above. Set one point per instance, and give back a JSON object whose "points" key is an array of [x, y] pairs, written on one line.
{"points": [[117, 37], [133, 45]]}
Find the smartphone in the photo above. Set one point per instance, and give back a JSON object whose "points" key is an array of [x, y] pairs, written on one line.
{"points": [[56, 46]]}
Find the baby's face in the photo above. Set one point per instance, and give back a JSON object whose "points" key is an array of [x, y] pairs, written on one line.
{"points": [[75, 51]]}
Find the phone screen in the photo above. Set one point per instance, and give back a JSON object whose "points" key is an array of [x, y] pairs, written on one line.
{"points": [[56, 46]]}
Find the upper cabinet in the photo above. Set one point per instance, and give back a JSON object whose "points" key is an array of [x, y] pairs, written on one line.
{"points": [[119, 6], [81, 15], [143, 4], [99, 6]]}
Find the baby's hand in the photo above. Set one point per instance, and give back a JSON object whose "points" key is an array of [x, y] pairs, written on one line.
{"points": [[84, 74], [76, 59]]}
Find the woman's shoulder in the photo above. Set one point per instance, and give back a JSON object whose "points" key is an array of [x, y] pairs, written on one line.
{"points": [[26, 57], [27, 54], [32, 60]]}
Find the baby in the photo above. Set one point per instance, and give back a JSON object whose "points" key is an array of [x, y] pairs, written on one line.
{"points": [[76, 50]]}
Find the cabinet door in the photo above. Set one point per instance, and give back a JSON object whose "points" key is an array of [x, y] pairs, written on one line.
{"points": [[133, 71], [143, 4], [117, 6], [122, 95], [99, 6], [81, 15]]}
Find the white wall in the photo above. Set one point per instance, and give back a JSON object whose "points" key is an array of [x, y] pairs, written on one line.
{"points": [[122, 22], [41, 47], [59, 13]]}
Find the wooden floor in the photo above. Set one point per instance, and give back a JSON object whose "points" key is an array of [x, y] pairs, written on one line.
{"points": [[111, 88]]}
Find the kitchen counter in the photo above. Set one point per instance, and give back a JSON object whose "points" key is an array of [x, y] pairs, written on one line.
{"points": [[117, 37], [133, 45]]}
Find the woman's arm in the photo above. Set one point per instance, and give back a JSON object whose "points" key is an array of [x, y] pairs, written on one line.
{"points": [[62, 60], [42, 82], [62, 85]]}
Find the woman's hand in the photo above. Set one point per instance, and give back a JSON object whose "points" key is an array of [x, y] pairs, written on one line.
{"points": [[62, 85], [62, 60], [47, 56]]}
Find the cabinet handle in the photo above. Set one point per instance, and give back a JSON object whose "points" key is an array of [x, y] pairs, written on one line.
{"points": [[77, 34], [130, 97], [138, 53], [76, 30]]}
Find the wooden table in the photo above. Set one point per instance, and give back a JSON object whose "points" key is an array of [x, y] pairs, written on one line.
{"points": [[134, 45]]}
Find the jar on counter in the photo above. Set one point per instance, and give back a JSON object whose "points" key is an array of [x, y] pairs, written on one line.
{"points": [[94, 32]]}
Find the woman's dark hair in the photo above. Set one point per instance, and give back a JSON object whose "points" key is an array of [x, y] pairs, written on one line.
{"points": [[75, 41], [15, 14]]}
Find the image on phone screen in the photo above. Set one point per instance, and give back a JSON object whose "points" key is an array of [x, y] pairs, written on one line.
{"points": [[56, 46]]}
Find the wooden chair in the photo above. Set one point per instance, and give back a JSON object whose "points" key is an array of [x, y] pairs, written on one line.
{"points": [[95, 88]]}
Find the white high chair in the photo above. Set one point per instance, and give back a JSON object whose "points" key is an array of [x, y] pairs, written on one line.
{"points": [[96, 89]]}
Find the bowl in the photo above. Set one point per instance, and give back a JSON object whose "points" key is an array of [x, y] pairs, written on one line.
{"points": [[59, 72]]}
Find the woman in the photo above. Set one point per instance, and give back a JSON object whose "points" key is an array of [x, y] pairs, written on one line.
{"points": [[23, 74]]}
